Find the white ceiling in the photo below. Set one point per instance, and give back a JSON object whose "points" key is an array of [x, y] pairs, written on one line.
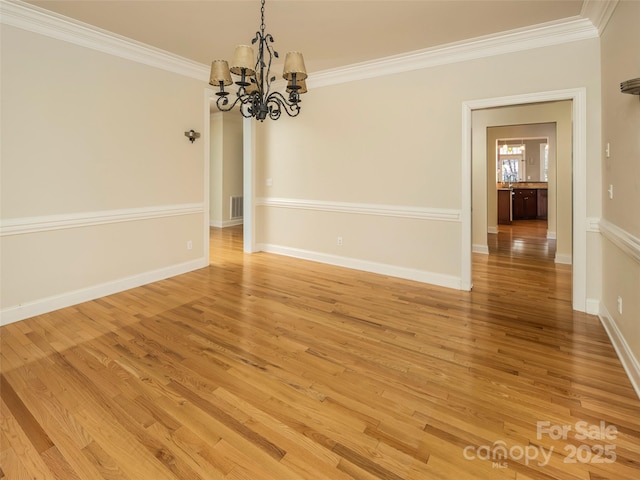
{"points": [[330, 33]]}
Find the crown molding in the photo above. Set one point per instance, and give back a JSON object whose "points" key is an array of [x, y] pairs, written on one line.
{"points": [[543, 35], [599, 12], [38, 20]]}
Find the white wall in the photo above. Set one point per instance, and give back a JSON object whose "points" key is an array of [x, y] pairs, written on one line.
{"points": [[377, 161], [620, 222], [100, 188]]}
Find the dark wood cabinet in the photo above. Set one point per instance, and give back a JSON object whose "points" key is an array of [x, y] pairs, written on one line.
{"points": [[522, 204], [525, 204], [542, 203], [504, 207]]}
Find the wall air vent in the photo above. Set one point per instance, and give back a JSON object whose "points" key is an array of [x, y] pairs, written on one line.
{"points": [[237, 207], [631, 86]]}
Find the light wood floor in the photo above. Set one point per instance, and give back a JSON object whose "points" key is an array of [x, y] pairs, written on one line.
{"points": [[523, 239], [263, 367]]}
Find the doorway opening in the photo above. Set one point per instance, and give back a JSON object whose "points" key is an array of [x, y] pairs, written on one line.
{"points": [[475, 182], [228, 176], [521, 159], [226, 170]]}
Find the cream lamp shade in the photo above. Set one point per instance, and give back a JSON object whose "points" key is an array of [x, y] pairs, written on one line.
{"points": [[243, 59], [294, 63], [220, 73]]}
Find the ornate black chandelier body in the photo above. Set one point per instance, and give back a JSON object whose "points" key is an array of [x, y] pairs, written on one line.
{"points": [[254, 86]]}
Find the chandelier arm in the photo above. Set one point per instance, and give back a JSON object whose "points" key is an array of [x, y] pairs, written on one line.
{"points": [[249, 103], [246, 110], [278, 103], [223, 103]]}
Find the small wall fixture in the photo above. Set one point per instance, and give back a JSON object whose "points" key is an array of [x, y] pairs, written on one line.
{"points": [[192, 135], [631, 86]]}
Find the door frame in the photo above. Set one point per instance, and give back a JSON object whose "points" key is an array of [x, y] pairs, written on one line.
{"points": [[578, 97]]}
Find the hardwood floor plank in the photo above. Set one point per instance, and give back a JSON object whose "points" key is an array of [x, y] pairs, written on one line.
{"points": [[107, 466], [58, 464], [22, 458], [296, 443], [251, 467], [229, 422], [66, 433], [124, 451], [29, 425]]}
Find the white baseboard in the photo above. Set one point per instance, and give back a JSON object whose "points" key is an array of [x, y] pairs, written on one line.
{"points": [[492, 229], [564, 258], [484, 249], [226, 223], [551, 235], [49, 304], [629, 361], [448, 281], [592, 306]]}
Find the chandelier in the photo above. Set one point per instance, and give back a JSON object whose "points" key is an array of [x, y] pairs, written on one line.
{"points": [[254, 93]]}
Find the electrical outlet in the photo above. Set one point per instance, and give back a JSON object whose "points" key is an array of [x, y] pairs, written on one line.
{"points": [[610, 190], [619, 304], [189, 245], [339, 241]]}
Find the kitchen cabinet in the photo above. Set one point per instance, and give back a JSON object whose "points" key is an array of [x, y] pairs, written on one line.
{"points": [[504, 207], [542, 204], [525, 204], [522, 202]]}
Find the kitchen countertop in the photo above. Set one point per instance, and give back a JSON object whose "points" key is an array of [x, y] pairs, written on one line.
{"points": [[514, 186]]}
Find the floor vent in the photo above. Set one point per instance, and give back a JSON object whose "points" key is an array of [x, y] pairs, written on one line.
{"points": [[236, 207]]}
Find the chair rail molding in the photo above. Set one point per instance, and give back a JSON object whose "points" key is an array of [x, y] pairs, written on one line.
{"points": [[622, 239], [25, 225], [422, 213]]}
